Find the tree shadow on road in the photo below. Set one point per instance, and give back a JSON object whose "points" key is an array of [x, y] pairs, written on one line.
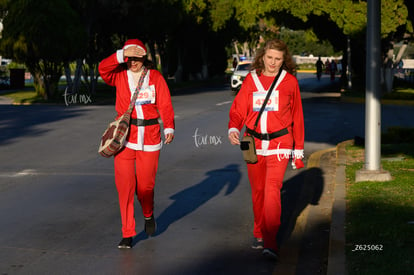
{"points": [[23, 121], [299, 191], [191, 198]]}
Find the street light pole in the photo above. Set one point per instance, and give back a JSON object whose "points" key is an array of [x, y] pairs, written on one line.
{"points": [[373, 92], [372, 169]]}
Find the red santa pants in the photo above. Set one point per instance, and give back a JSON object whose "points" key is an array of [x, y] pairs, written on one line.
{"points": [[135, 173], [266, 180]]}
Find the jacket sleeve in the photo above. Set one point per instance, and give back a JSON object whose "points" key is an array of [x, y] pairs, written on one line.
{"points": [[240, 107], [110, 66], [164, 104], [298, 121]]}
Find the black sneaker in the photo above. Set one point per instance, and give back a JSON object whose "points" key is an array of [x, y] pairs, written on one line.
{"points": [[257, 243], [150, 225], [270, 254], [125, 243]]}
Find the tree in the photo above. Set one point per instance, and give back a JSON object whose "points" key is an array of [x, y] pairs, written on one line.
{"points": [[100, 37], [200, 49], [340, 19], [189, 37], [43, 35]]}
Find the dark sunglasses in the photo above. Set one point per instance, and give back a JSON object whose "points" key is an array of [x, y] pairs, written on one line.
{"points": [[133, 58]]}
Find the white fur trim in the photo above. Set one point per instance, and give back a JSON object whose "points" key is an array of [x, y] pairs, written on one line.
{"points": [[282, 153], [146, 148], [231, 130], [168, 131], [120, 56]]}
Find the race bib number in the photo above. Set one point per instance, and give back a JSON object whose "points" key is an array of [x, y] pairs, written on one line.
{"points": [[146, 96], [272, 103]]}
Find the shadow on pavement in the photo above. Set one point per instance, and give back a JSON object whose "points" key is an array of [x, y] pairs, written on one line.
{"points": [[299, 191], [191, 198], [231, 261], [22, 121]]}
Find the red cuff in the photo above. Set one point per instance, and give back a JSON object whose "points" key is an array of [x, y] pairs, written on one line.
{"points": [[299, 163]]}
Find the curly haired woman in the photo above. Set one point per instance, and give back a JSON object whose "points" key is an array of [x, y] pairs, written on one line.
{"points": [[279, 136]]}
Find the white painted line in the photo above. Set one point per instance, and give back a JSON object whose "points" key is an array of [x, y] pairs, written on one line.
{"points": [[224, 103], [26, 172], [32, 172]]}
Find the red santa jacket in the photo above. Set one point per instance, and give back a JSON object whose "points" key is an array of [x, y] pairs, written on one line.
{"points": [[154, 100], [284, 110]]}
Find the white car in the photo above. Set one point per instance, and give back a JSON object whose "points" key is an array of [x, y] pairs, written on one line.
{"points": [[239, 74]]}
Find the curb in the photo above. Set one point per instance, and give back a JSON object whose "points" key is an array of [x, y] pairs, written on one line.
{"points": [[314, 158], [336, 253], [291, 249]]}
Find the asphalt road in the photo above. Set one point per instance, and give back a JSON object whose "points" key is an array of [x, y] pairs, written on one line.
{"points": [[58, 203]]}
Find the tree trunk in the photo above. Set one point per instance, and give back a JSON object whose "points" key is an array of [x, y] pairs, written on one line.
{"points": [[157, 57], [388, 70], [401, 53], [246, 49], [348, 63], [77, 76], [163, 61], [93, 74], [51, 75], [39, 85], [204, 60], [151, 53], [237, 51], [179, 72], [69, 81], [390, 64]]}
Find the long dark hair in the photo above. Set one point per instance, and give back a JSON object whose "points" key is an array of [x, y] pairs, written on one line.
{"points": [[147, 64], [274, 44]]}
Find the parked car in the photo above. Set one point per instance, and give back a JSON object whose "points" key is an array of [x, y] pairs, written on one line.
{"points": [[239, 74]]}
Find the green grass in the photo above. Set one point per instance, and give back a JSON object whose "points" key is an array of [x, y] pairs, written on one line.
{"points": [[380, 214], [24, 97], [406, 94], [306, 67]]}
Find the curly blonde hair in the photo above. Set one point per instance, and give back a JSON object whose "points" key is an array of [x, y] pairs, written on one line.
{"points": [[274, 44]]}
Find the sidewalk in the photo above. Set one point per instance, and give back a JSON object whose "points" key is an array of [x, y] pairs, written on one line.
{"points": [[317, 243], [4, 100]]}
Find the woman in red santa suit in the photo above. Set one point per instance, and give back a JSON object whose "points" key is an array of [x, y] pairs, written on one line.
{"points": [[279, 136], [136, 164]]}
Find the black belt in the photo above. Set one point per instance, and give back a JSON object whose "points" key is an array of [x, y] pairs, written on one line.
{"points": [[144, 122], [270, 136]]}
